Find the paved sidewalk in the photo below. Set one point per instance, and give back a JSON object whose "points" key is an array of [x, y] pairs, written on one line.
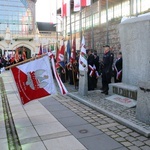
{"points": [[36, 127], [62, 123]]}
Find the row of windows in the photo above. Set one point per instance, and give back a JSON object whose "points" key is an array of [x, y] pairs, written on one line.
{"points": [[15, 14], [126, 8]]}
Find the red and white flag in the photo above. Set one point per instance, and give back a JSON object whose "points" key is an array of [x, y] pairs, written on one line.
{"points": [[65, 8], [85, 3], [77, 5], [34, 79], [83, 57], [73, 52]]}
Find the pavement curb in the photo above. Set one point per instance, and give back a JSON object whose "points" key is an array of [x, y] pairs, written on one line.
{"points": [[115, 117]]}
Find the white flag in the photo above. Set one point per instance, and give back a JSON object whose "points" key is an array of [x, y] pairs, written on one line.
{"points": [[77, 5], [34, 79], [83, 57]]}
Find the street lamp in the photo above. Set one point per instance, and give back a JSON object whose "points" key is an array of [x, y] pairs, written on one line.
{"points": [[8, 37]]}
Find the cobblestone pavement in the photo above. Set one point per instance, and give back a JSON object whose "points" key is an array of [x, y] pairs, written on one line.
{"points": [[127, 137]]}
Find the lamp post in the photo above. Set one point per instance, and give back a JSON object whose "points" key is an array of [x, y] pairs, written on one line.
{"points": [[7, 38]]}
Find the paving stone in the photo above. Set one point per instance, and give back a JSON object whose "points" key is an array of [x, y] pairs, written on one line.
{"points": [[63, 114], [147, 142], [138, 143], [128, 130], [120, 139], [84, 131], [142, 138], [72, 121], [95, 124], [56, 107], [100, 142], [48, 101], [134, 148], [134, 134], [110, 133], [102, 122], [145, 147], [104, 130], [91, 121], [114, 136], [126, 144], [113, 128], [130, 138], [121, 127], [122, 134]]}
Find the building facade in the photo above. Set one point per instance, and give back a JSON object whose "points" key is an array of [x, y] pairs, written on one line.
{"points": [[18, 28], [99, 22]]}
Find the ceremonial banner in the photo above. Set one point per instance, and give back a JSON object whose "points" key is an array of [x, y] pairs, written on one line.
{"points": [[85, 3], [73, 52], [68, 51], [83, 57], [40, 50], [57, 77], [34, 79], [65, 8], [77, 5]]}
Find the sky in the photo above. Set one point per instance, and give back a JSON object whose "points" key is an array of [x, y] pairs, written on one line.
{"points": [[44, 9]]}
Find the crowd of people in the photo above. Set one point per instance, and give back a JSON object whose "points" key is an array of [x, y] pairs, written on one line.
{"points": [[105, 69], [98, 69], [13, 58]]}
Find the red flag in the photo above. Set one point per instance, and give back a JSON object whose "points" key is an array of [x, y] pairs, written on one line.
{"points": [[61, 53], [65, 8], [40, 50], [73, 52], [34, 79], [24, 57], [16, 56], [85, 3]]}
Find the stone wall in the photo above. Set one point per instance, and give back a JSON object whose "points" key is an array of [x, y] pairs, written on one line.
{"points": [[100, 37]]}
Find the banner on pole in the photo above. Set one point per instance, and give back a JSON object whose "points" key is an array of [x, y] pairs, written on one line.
{"points": [[34, 79]]}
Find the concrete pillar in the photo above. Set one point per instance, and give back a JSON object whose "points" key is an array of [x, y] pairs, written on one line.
{"points": [[83, 83]]}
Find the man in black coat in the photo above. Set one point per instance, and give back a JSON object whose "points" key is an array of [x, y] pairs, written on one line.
{"points": [[108, 58]]}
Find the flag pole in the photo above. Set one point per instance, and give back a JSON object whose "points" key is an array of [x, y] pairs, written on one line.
{"points": [[92, 32], [25, 61]]}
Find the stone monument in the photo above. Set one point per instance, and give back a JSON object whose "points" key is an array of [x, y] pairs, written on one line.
{"points": [[143, 104], [135, 45]]}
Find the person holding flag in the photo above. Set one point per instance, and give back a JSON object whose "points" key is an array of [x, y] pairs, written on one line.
{"points": [[69, 64], [60, 64]]}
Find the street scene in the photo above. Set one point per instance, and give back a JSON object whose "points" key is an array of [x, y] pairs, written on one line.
{"points": [[74, 75]]}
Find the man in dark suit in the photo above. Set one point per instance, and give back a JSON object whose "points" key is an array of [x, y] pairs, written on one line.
{"points": [[118, 68], [107, 69]]}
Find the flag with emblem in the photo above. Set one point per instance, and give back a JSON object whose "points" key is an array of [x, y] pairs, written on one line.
{"points": [[34, 79], [77, 5], [83, 57]]}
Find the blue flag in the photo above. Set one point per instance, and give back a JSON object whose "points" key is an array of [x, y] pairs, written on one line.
{"points": [[68, 51]]}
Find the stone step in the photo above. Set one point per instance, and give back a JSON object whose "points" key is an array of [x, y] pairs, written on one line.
{"points": [[128, 102], [123, 89]]}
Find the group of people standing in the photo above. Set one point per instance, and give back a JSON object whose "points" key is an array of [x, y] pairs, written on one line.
{"points": [[14, 57], [107, 68]]}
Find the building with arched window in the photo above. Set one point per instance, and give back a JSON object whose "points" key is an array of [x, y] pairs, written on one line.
{"points": [[18, 28]]}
